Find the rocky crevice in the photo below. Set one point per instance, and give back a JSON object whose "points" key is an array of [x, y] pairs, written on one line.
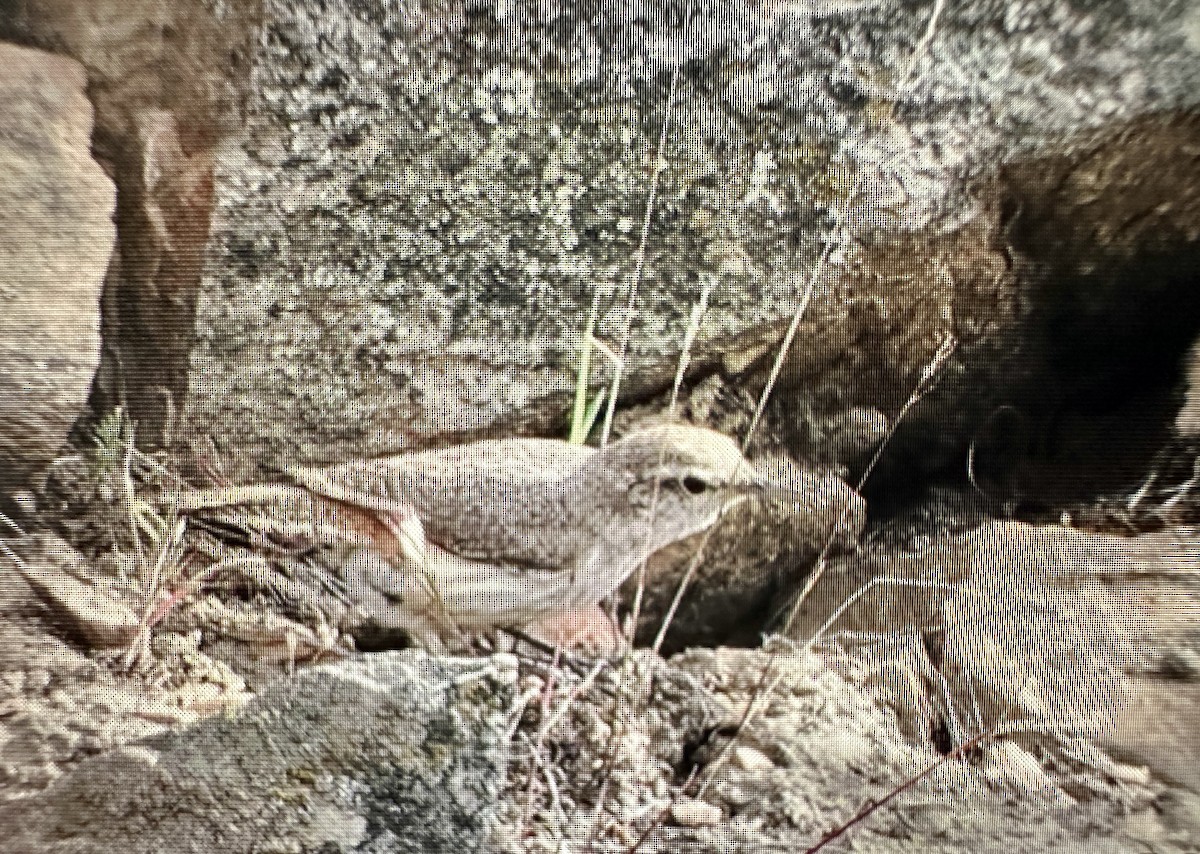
{"points": [[1075, 397]]}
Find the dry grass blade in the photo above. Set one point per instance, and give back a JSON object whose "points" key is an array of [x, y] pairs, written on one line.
{"points": [[689, 340], [9, 523], [11, 555], [929, 377], [167, 555], [872, 806], [660, 163]]}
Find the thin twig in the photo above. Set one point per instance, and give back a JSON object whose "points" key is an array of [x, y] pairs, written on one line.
{"points": [[872, 806], [13, 556], [660, 164], [9, 523], [929, 378]]}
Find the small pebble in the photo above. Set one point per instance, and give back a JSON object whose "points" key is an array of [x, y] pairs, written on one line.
{"points": [[751, 759], [691, 813]]}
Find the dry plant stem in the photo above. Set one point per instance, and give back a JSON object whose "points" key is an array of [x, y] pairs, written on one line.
{"points": [[9, 523], [643, 240], [551, 719], [662, 815], [772, 379], [846, 605], [640, 588], [13, 556], [602, 795], [929, 378], [689, 340], [539, 744], [790, 336], [177, 596], [695, 319], [558, 655], [922, 47], [684, 583], [166, 546], [872, 806], [551, 786], [131, 495], [1181, 491], [840, 238], [1142, 492]]}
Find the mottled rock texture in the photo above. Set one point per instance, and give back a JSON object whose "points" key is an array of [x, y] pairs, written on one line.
{"points": [[411, 206], [56, 208], [398, 753], [1066, 631]]}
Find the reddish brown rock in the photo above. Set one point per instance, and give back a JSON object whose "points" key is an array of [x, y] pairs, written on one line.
{"points": [[56, 208]]}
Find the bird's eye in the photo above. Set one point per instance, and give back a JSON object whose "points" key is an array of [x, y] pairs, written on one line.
{"points": [[694, 485]]}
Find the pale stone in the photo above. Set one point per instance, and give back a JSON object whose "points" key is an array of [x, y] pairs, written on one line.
{"points": [[56, 208], [690, 813]]}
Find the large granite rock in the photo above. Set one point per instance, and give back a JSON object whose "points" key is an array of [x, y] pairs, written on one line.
{"points": [[56, 206], [397, 752], [1045, 628], [416, 205]]}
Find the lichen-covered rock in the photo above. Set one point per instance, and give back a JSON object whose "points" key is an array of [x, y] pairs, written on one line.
{"points": [[416, 204], [56, 208], [398, 752]]}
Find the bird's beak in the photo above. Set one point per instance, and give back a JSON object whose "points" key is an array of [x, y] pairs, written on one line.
{"points": [[755, 487]]}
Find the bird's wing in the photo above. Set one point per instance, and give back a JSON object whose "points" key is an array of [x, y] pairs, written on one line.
{"points": [[509, 501]]}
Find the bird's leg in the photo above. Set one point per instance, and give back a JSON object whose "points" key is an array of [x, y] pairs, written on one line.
{"points": [[586, 629]]}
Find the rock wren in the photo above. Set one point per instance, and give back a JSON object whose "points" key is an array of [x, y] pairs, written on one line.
{"points": [[503, 533]]}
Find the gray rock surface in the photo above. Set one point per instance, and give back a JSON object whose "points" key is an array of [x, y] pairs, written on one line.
{"points": [[56, 208], [409, 231], [1065, 631], [398, 752], [389, 221]]}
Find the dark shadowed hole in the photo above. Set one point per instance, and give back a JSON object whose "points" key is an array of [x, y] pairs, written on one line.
{"points": [[1074, 402]]}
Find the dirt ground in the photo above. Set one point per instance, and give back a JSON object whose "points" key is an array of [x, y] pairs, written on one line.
{"points": [[1008, 688]]}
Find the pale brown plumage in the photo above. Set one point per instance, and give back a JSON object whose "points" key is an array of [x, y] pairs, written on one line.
{"points": [[506, 532]]}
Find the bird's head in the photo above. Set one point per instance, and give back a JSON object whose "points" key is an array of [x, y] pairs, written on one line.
{"points": [[677, 476]]}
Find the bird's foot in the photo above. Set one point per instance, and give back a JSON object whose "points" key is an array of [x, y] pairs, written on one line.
{"points": [[588, 630]]}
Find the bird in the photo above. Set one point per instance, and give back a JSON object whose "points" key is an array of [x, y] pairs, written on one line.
{"points": [[505, 533]]}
